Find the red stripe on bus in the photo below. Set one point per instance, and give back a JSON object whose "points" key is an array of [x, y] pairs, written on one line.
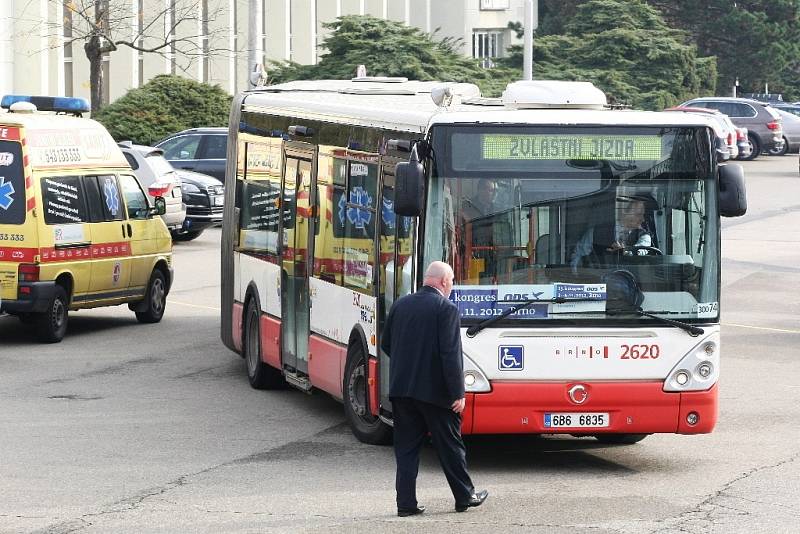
{"points": [[106, 250], [271, 341], [372, 387], [18, 254], [633, 407], [326, 360], [31, 203], [236, 325]]}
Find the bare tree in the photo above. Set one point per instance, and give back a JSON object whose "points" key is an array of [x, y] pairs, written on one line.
{"points": [[176, 28]]}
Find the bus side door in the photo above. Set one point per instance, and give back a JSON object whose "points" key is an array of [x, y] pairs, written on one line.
{"points": [[297, 233]]}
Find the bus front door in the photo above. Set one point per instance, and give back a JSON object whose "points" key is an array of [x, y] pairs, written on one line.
{"points": [[297, 239]]}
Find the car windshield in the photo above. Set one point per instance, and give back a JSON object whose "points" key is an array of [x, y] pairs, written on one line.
{"points": [[596, 215]]}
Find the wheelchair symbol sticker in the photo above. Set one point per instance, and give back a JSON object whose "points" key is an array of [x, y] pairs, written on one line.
{"points": [[511, 357]]}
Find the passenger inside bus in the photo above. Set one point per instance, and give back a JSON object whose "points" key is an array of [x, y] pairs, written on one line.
{"points": [[629, 234]]}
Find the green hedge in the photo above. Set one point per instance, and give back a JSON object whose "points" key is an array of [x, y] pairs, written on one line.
{"points": [[164, 105]]}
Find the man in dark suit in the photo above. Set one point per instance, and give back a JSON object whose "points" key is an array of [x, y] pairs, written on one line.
{"points": [[426, 384]]}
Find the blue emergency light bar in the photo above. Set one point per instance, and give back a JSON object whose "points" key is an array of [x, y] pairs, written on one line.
{"points": [[60, 104]]}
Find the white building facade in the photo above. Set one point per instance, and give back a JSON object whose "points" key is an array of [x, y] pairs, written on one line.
{"points": [[38, 54]]}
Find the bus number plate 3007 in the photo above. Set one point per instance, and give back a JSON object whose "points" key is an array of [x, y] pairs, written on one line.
{"points": [[576, 420]]}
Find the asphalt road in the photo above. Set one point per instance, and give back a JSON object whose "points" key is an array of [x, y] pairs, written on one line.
{"points": [[125, 427]]}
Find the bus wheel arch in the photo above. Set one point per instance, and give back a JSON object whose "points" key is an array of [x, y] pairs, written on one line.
{"points": [[260, 375], [366, 427]]}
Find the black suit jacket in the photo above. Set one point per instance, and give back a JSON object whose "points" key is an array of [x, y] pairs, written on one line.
{"points": [[423, 341]]}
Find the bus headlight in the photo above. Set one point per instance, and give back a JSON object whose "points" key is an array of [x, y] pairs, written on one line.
{"points": [[474, 379], [698, 370]]}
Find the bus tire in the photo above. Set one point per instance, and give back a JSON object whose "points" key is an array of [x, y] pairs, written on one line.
{"points": [[620, 439], [260, 375], [155, 298], [366, 427], [51, 325]]}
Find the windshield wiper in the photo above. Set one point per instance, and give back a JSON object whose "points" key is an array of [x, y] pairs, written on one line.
{"points": [[473, 330], [693, 330]]}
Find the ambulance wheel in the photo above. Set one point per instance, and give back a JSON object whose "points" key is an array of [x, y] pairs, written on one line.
{"points": [[51, 325], [365, 426], [260, 375], [156, 298], [620, 439]]}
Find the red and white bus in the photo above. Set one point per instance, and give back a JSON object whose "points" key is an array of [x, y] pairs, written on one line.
{"points": [[585, 243]]}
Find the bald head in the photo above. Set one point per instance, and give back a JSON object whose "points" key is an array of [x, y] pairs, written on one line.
{"points": [[439, 275]]}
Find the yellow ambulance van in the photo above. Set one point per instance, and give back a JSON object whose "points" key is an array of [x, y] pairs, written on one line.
{"points": [[76, 228]]}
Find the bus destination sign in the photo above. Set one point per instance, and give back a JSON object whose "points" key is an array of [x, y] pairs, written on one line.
{"points": [[567, 146]]}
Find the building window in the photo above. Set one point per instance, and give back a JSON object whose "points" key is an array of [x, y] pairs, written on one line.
{"points": [[487, 44], [67, 51], [494, 5]]}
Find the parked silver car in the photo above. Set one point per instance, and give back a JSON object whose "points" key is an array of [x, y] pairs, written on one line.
{"points": [[791, 134], [723, 127], [762, 121], [158, 178]]}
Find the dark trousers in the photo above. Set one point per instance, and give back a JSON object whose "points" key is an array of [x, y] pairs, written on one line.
{"points": [[413, 419]]}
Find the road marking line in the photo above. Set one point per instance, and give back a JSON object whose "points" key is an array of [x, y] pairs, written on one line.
{"points": [[763, 328], [193, 305]]}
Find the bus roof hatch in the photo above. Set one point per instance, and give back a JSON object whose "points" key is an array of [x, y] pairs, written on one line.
{"points": [[553, 94]]}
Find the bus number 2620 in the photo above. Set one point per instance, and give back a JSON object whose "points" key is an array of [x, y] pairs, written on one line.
{"points": [[640, 352]]}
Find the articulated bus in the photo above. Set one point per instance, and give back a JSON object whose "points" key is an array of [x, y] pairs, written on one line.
{"points": [[585, 243]]}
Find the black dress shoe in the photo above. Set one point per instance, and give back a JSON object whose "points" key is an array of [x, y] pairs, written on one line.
{"points": [[476, 500], [405, 512]]}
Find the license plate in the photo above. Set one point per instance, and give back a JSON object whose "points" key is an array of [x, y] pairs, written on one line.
{"points": [[576, 420], [219, 201]]}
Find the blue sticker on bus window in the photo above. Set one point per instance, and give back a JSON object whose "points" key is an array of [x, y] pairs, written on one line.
{"points": [[387, 213], [581, 291], [357, 217], [112, 196], [511, 357], [6, 190], [483, 304]]}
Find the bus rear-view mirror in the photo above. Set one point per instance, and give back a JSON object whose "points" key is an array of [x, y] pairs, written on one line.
{"points": [[732, 193], [408, 187]]}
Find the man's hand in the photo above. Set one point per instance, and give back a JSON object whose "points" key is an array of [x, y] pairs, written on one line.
{"points": [[458, 406]]}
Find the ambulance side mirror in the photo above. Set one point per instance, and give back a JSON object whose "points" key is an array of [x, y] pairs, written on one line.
{"points": [[160, 206]]}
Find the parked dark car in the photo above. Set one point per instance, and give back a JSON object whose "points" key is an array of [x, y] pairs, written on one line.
{"points": [[201, 150], [762, 121], [204, 198]]}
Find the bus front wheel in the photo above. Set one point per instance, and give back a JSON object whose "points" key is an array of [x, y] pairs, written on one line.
{"points": [[366, 427]]}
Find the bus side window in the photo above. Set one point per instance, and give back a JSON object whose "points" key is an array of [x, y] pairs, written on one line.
{"points": [[329, 230], [359, 220], [258, 197]]}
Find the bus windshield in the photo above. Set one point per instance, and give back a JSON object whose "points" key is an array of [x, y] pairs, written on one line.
{"points": [[595, 218]]}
